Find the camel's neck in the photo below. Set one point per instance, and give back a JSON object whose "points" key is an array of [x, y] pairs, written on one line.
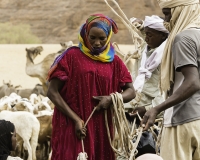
{"points": [[31, 68]]}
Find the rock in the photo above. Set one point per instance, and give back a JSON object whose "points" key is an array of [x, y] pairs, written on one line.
{"points": [[59, 21]]}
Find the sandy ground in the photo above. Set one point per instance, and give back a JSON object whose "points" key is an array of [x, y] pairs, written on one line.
{"points": [[13, 62]]}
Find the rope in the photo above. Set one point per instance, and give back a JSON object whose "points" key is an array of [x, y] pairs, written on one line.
{"points": [[126, 57], [138, 44], [120, 123], [126, 148], [137, 39], [85, 126], [126, 135], [158, 144]]}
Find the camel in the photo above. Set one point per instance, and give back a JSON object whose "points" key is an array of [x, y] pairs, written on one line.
{"points": [[41, 69]]}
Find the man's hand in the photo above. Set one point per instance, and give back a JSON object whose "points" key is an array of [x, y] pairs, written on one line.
{"points": [[80, 130], [149, 118], [137, 20], [131, 116], [104, 102]]}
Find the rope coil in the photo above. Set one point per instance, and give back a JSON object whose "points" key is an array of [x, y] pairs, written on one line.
{"points": [[124, 134], [126, 148]]}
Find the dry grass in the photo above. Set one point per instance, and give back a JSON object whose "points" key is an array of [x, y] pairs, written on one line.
{"points": [[17, 34]]}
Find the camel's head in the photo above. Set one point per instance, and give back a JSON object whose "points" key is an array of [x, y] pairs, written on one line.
{"points": [[32, 52], [65, 45]]}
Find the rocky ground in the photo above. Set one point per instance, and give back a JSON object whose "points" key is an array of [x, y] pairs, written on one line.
{"points": [[59, 21]]}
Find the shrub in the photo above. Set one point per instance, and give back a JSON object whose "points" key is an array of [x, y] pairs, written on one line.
{"points": [[17, 34]]}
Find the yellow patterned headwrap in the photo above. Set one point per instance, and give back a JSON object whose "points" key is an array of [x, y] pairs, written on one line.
{"points": [[185, 15]]}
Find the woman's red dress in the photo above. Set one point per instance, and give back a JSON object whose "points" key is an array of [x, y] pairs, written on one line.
{"points": [[85, 78]]}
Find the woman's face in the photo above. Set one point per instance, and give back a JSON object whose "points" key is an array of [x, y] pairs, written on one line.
{"points": [[14, 140], [97, 37]]}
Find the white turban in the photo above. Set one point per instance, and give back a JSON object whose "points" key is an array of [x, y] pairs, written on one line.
{"points": [[155, 22], [175, 3]]}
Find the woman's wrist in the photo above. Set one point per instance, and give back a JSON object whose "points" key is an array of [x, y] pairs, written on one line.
{"points": [[77, 119]]}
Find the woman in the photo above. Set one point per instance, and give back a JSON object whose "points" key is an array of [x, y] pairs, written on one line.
{"points": [[7, 140], [80, 79]]}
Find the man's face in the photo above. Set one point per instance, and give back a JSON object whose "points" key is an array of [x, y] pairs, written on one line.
{"points": [[167, 13], [153, 37]]}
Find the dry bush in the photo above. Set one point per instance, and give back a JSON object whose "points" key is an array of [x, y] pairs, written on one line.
{"points": [[17, 34]]}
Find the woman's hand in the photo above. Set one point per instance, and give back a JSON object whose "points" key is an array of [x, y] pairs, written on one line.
{"points": [[104, 102], [80, 130]]}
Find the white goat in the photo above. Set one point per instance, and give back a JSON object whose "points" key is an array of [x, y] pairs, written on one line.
{"points": [[7, 102], [43, 105], [24, 105], [27, 126], [34, 99]]}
